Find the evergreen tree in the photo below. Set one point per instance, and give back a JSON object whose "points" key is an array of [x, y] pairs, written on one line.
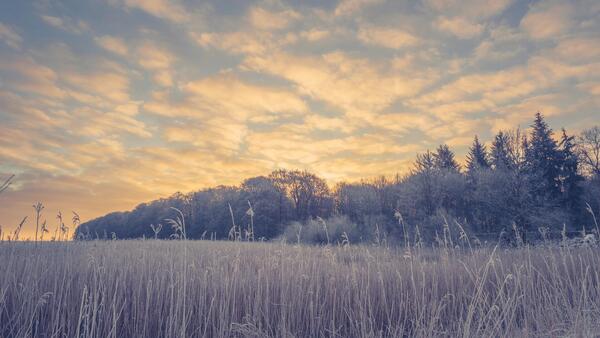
{"points": [[543, 160], [444, 159], [424, 173], [425, 162], [500, 157], [570, 178], [477, 158]]}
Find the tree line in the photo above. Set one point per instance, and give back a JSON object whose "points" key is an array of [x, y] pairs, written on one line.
{"points": [[526, 182]]}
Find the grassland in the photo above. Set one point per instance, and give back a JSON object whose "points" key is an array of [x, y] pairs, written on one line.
{"points": [[223, 289]]}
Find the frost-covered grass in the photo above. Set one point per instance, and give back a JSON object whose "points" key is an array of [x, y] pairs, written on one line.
{"points": [[215, 289]]}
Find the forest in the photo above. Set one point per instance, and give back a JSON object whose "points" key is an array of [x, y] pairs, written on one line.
{"points": [[536, 184]]}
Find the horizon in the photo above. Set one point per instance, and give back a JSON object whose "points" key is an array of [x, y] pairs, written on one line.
{"points": [[174, 96], [406, 172]]}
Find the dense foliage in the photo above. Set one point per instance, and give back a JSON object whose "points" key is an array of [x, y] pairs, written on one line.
{"points": [[524, 182]]}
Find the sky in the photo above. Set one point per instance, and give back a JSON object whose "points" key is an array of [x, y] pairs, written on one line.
{"points": [[105, 104]]}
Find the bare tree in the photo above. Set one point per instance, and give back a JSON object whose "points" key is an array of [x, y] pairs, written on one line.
{"points": [[588, 149], [517, 146], [307, 191]]}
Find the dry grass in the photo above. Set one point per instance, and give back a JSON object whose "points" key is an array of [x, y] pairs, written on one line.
{"points": [[217, 289]]}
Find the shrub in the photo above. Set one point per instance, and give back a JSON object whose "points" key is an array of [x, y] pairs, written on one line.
{"points": [[335, 229]]}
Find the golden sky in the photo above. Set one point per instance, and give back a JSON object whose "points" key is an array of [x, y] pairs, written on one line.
{"points": [[106, 104]]}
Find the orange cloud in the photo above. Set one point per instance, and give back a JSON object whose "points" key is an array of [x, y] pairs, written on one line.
{"points": [[171, 10], [459, 27], [112, 44], [349, 7], [473, 9], [547, 20], [358, 86], [387, 37], [264, 19]]}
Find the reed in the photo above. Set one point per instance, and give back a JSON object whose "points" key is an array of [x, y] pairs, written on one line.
{"points": [[253, 289]]}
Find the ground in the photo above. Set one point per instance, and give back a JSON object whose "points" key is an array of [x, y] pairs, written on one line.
{"points": [[213, 289]]}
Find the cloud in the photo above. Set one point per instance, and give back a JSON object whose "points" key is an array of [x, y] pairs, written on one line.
{"points": [[66, 24], [519, 113], [247, 100], [459, 27], [158, 60], [471, 9], [294, 146], [349, 7], [460, 141], [387, 37], [358, 86], [506, 91], [110, 85], [53, 21], [547, 20], [171, 10], [325, 123], [503, 43], [32, 77], [51, 145], [227, 95], [454, 129], [591, 87], [354, 169], [100, 124], [163, 78], [267, 20], [579, 49], [217, 111], [9, 36], [238, 42], [315, 34], [151, 56], [400, 123], [219, 136], [501, 86], [112, 44]]}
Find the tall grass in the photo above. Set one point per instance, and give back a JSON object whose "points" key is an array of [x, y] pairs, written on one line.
{"points": [[215, 289]]}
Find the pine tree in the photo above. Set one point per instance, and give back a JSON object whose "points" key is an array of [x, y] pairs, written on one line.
{"points": [[444, 159], [425, 162], [477, 158], [500, 158], [424, 172], [569, 174], [543, 159]]}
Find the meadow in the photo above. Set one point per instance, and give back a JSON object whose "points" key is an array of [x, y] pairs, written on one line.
{"points": [[141, 288]]}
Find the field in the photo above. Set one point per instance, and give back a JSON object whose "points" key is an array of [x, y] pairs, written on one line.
{"points": [[224, 289]]}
